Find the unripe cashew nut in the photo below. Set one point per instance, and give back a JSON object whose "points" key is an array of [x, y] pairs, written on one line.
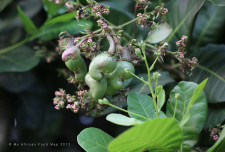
{"points": [[97, 87], [71, 53], [116, 78], [78, 66]]}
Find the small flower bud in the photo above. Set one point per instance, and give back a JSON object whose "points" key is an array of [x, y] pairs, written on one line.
{"points": [[177, 95], [156, 75], [138, 52], [103, 101]]}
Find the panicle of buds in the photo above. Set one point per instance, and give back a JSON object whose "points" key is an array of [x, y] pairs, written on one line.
{"points": [[215, 132]]}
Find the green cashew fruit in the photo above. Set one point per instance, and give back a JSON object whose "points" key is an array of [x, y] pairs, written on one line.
{"points": [[110, 90], [101, 64], [78, 66], [116, 77], [97, 87]]}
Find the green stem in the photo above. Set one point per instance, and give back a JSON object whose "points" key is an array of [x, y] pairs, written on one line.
{"points": [[150, 83], [174, 113], [211, 72], [129, 22], [150, 46], [14, 46], [153, 64], [127, 111], [138, 77]]}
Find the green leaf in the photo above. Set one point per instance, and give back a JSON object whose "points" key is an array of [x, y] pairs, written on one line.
{"points": [[28, 24], [94, 140], [197, 93], [218, 2], [219, 146], [216, 115], [136, 85], [158, 135], [209, 25], [198, 112], [53, 9], [18, 60], [141, 104], [122, 120], [73, 27], [180, 16], [159, 33], [59, 19], [161, 96], [212, 61]]}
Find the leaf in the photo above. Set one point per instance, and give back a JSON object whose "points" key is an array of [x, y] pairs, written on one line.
{"points": [[209, 25], [212, 61], [136, 85], [72, 26], [216, 115], [59, 19], [198, 112], [53, 9], [122, 120], [180, 16], [159, 33], [153, 135], [218, 2], [219, 146], [197, 93], [141, 104], [28, 24], [94, 140], [161, 98], [18, 60]]}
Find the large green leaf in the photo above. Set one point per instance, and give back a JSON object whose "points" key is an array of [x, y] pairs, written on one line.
{"points": [[219, 146], [159, 33], [158, 135], [72, 26], [209, 25], [141, 104], [94, 140], [198, 111], [216, 115], [122, 120], [218, 2], [18, 60], [28, 24], [180, 16], [136, 85], [212, 57]]}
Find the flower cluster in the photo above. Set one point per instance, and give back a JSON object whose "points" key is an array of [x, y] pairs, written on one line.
{"points": [[215, 132], [102, 23], [142, 4], [64, 100], [160, 10], [161, 50], [186, 64]]}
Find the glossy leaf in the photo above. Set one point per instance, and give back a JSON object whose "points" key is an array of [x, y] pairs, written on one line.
{"points": [[136, 85], [209, 25], [153, 135], [180, 16], [141, 104], [94, 140], [210, 57], [218, 2], [198, 112], [28, 24], [159, 33], [18, 60], [219, 146], [122, 120]]}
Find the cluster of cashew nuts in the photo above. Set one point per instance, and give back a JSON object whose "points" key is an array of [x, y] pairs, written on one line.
{"points": [[105, 75]]}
